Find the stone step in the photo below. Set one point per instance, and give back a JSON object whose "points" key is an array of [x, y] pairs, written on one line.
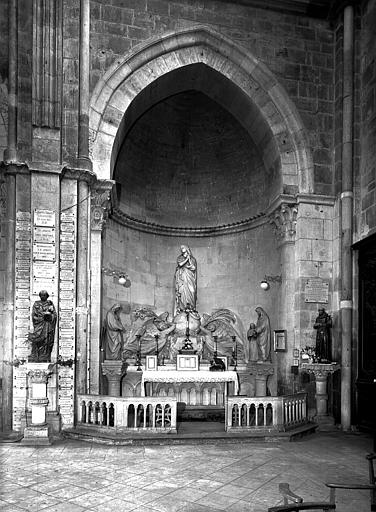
{"points": [[188, 433]]}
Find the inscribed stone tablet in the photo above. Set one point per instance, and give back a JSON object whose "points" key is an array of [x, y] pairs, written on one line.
{"points": [[316, 290]]}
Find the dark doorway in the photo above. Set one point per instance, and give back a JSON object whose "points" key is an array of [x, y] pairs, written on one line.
{"points": [[366, 375]]}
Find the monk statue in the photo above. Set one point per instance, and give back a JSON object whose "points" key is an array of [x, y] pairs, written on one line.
{"points": [[185, 281], [263, 334], [113, 334], [44, 318], [323, 324]]}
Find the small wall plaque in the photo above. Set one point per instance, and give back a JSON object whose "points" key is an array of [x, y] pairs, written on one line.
{"points": [[280, 341]]}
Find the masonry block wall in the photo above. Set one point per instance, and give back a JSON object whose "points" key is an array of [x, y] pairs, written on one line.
{"points": [[299, 51], [367, 180]]}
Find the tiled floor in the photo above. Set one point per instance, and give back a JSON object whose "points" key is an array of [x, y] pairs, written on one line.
{"points": [[75, 476]]}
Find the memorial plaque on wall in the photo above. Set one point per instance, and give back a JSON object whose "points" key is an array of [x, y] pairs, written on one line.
{"points": [[44, 218], [22, 308], [316, 290], [67, 304]]}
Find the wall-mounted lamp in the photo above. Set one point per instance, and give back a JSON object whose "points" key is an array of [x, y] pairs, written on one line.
{"points": [[119, 276], [265, 283]]}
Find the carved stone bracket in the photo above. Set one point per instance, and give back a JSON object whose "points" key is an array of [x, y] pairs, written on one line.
{"points": [[100, 203], [284, 220], [320, 370], [38, 375]]}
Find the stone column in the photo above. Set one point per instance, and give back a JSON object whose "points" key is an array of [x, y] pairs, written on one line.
{"points": [[321, 372], [114, 371], [261, 371], [38, 432], [8, 314], [284, 220], [100, 202]]}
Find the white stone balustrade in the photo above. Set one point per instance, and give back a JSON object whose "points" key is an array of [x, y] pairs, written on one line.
{"points": [[266, 413], [152, 414]]}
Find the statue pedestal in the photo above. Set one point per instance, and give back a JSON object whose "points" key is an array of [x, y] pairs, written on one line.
{"points": [[113, 371], [38, 432], [261, 371], [321, 372]]}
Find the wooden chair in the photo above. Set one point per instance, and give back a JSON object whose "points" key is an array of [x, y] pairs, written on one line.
{"points": [[298, 504], [361, 487]]}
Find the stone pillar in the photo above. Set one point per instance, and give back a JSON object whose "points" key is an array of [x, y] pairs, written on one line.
{"points": [[321, 372], [38, 432], [84, 86], [284, 220], [114, 371], [8, 314], [261, 371], [100, 202]]}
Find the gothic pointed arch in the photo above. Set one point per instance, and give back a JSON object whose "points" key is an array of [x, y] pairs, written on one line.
{"points": [[257, 100]]}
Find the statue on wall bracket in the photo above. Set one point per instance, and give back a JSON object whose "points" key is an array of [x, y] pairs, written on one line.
{"points": [[323, 324], [44, 319]]}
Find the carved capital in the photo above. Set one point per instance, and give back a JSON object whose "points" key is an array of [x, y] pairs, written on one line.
{"points": [[38, 375], [113, 370], [320, 371], [284, 221], [100, 203], [261, 370]]}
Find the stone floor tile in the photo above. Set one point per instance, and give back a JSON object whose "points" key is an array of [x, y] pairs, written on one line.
{"points": [[66, 493], [205, 484], [187, 494], [161, 487], [166, 504], [114, 505], [90, 499], [218, 501], [41, 502], [233, 490], [196, 507]]}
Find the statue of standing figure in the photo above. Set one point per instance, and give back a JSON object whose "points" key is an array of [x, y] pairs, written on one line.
{"points": [[322, 324], [259, 337], [113, 334], [185, 281], [44, 318]]}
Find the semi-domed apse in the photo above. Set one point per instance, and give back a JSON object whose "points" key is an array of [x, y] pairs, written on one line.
{"points": [[185, 160]]}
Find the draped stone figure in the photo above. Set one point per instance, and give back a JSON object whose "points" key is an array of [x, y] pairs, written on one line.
{"points": [[185, 280], [113, 334], [263, 334], [323, 324], [253, 346], [44, 318]]}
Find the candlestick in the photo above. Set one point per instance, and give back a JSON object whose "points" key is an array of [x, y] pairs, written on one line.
{"points": [[156, 336], [138, 361], [235, 352]]}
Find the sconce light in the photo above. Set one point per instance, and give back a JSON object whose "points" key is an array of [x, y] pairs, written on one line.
{"points": [[119, 276], [265, 283], [124, 280]]}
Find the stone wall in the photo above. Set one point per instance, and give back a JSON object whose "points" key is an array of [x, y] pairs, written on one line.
{"points": [[299, 51], [367, 181]]}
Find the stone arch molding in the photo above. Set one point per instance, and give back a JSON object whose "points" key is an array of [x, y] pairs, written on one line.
{"points": [[126, 78]]}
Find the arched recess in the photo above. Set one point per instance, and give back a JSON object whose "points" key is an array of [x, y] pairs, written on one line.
{"points": [[270, 117]]}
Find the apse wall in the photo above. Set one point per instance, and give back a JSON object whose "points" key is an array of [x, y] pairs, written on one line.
{"points": [[230, 268]]}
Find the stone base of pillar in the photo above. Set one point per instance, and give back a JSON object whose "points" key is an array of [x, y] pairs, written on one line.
{"points": [[36, 435]]}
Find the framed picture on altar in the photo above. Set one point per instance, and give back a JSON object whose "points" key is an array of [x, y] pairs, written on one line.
{"points": [[187, 362], [151, 362], [280, 340]]}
